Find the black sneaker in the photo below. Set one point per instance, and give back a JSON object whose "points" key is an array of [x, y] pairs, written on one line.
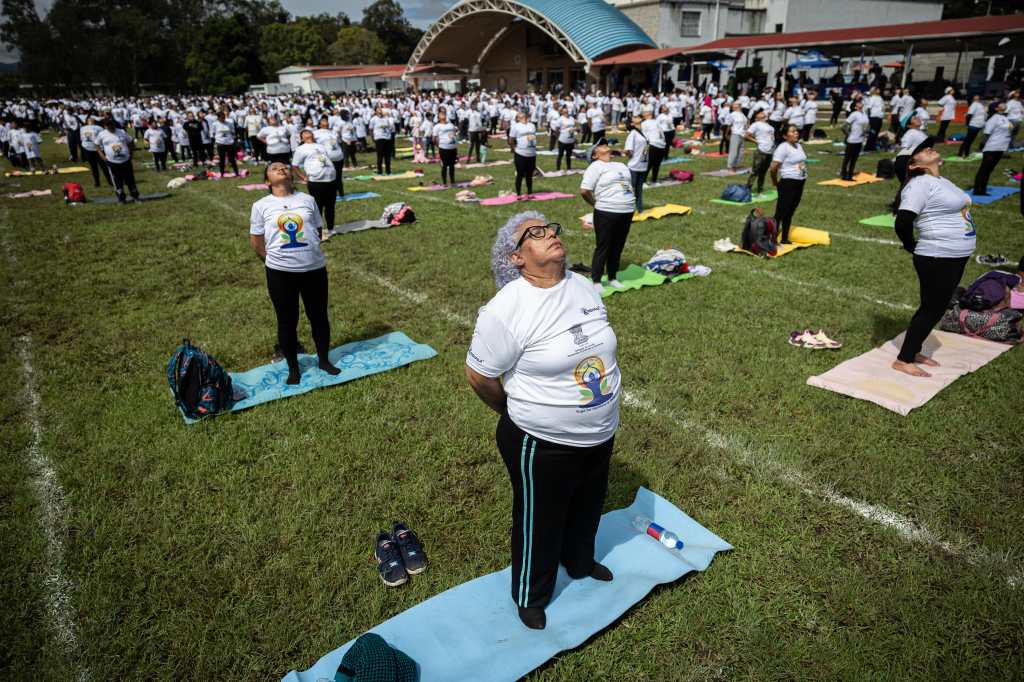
{"points": [[389, 560], [413, 556]]}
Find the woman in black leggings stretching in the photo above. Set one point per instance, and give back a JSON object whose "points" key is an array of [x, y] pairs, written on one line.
{"points": [[940, 212], [446, 137], [789, 173], [283, 231], [522, 140]]}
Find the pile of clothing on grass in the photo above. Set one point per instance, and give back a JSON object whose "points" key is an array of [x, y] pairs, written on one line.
{"points": [[992, 307]]}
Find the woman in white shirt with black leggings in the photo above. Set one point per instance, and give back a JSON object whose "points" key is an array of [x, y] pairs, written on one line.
{"points": [[789, 173], [312, 163], [608, 187], [543, 357], [940, 212]]}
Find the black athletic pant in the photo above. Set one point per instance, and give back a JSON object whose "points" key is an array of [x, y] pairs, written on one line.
{"points": [[476, 139], [874, 127], [552, 138], [850, 160], [835, 114], [281, 157], [669, 137], [259, 150], [97, 166], [705, 131], [350, 155], [805, 133], [324, 194], [564, 148], [525, 168], [285, 288], [448, 159], [723, 142], [965, 146], [226, 152], [160, 160], [74, 142], [383, 156], [338, 167], [558, 494], [198, 151], [790, 193], [762, 161], [939, 278], [943, 127], [655, 156], [989, 160], [638, 178], [611, 230], [123, 174]]}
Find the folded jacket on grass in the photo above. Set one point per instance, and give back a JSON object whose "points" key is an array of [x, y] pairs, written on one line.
{"points": [[801, 238], [858, 179], [356, 196], [659, 212], [976, 156], [763, 197], [871, 377], [471, 632], [995, 193], [60, 171], [512, 198], [725, 172], [355, 360], [884, 220]]}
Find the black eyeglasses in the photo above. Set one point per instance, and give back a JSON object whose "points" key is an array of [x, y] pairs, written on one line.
{"points": [[538, 232]]}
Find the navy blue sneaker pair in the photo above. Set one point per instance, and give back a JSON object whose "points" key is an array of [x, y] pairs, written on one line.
{"points": [[399, 554]]}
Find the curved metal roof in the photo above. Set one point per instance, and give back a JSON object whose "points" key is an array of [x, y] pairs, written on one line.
{"points": [[595, 26]]}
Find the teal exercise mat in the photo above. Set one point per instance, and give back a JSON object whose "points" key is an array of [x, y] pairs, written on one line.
{"points": [[356, 196], [884, 220], [355, 360], [763, 197], [471, 632]]}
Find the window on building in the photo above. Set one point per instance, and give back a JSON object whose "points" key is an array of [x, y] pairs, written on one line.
{"points": [[554, 78], [579, 79], [778, 28], [689, 24]]}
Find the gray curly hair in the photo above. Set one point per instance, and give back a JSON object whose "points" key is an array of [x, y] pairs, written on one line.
{"points": [[505, 243]]}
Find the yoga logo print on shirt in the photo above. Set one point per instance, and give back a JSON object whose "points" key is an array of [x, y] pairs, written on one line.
{"points": [[594, 388], [969, 230], [290, 225]]}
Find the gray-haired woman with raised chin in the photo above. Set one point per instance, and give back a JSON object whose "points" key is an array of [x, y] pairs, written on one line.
{"points": [[543, 357]]}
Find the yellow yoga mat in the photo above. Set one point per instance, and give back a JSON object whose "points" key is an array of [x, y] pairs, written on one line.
{"points": [[858, 179], [400, 176], [61, 171], [801, 238], [661, 211]]}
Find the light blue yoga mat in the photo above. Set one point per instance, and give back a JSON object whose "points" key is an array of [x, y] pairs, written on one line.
{"points": [[472, 631], [356, 196], [995, 193], [355, 360]]}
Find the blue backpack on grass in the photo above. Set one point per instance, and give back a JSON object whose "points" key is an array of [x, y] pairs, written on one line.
{"points": [[738, 193], [200, 386]]}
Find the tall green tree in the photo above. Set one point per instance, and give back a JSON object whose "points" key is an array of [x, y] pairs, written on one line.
{"points": [[297, 42], [387, 20], [357, 45]]}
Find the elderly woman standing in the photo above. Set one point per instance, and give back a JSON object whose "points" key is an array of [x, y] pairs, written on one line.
{"points": [[543, 357], [608, 187]]}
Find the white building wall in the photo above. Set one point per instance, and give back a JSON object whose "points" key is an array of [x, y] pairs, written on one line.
{"points": [[298, 79]]}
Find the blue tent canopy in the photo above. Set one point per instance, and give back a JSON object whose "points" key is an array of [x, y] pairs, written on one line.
{"points": [[813, 60]]}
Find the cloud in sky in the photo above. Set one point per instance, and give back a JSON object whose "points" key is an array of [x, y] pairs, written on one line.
{"points": [[420, 13]]}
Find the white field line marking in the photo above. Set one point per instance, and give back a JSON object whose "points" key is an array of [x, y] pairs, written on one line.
{"points": [[907, 528], [842, 292], [911, 531], [411, 296], [868, 240]]}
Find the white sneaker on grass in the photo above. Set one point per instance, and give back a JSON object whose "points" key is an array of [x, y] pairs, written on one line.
{"points": [[616, 284], [599, 287]]}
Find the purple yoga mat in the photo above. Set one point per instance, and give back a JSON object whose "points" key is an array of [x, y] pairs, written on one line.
{"points": [[512, 198]]}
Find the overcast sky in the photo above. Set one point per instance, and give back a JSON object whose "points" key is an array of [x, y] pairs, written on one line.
{"points": [[420, 13]]}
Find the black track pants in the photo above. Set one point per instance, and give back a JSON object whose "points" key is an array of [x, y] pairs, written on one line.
{"points": [[324, 194], [285, 288], [939, 278], [611, 230], [525, 167], [790, 193]]}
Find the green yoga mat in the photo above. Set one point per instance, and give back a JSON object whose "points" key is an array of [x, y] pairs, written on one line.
{"points": [[884, 220], [764, 197], [635, 276], [976, 156]]}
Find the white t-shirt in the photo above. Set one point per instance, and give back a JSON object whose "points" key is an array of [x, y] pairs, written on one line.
{"points": [[288, 225], [328, 139], [944, 225], [31, 142], [566, 130], [976, 115], [155, 138], [277, 139], [859, 123], [1014, 110], [737, 123], [556, 354], [116, 145], [875, 107], [447, 135], [764, 136], [810, 111], [89, 133], [650, 129], [999, 130], [792, 160], [637, 145], [381, 127], [910, 140], [596, 117], [794, 116], [948, 103], [313, 160], [612, 186], [525, 136], [223, 132]]}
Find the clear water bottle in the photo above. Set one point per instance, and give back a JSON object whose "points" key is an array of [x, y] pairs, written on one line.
{"points": [[665, 538]]}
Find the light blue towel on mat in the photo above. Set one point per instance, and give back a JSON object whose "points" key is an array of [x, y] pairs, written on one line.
{"points": [[472, 631], [355, 196], [355, 360]]}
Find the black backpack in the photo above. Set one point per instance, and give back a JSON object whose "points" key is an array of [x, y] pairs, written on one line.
{"points": [[760, 234], [200, 386], [885, 169]]}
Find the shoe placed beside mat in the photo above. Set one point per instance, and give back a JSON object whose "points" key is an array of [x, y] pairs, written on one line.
{"points": [[472, 631], [355, 360]]}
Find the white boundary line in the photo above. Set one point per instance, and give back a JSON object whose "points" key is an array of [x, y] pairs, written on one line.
{"points": [[868, 240], [905, 527], [842, 292]]}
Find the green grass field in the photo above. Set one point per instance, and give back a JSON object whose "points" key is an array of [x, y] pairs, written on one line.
{"points": [[867, 545]]}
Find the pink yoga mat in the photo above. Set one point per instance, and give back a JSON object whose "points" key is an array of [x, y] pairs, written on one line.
{"points": [[512, 198]]}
